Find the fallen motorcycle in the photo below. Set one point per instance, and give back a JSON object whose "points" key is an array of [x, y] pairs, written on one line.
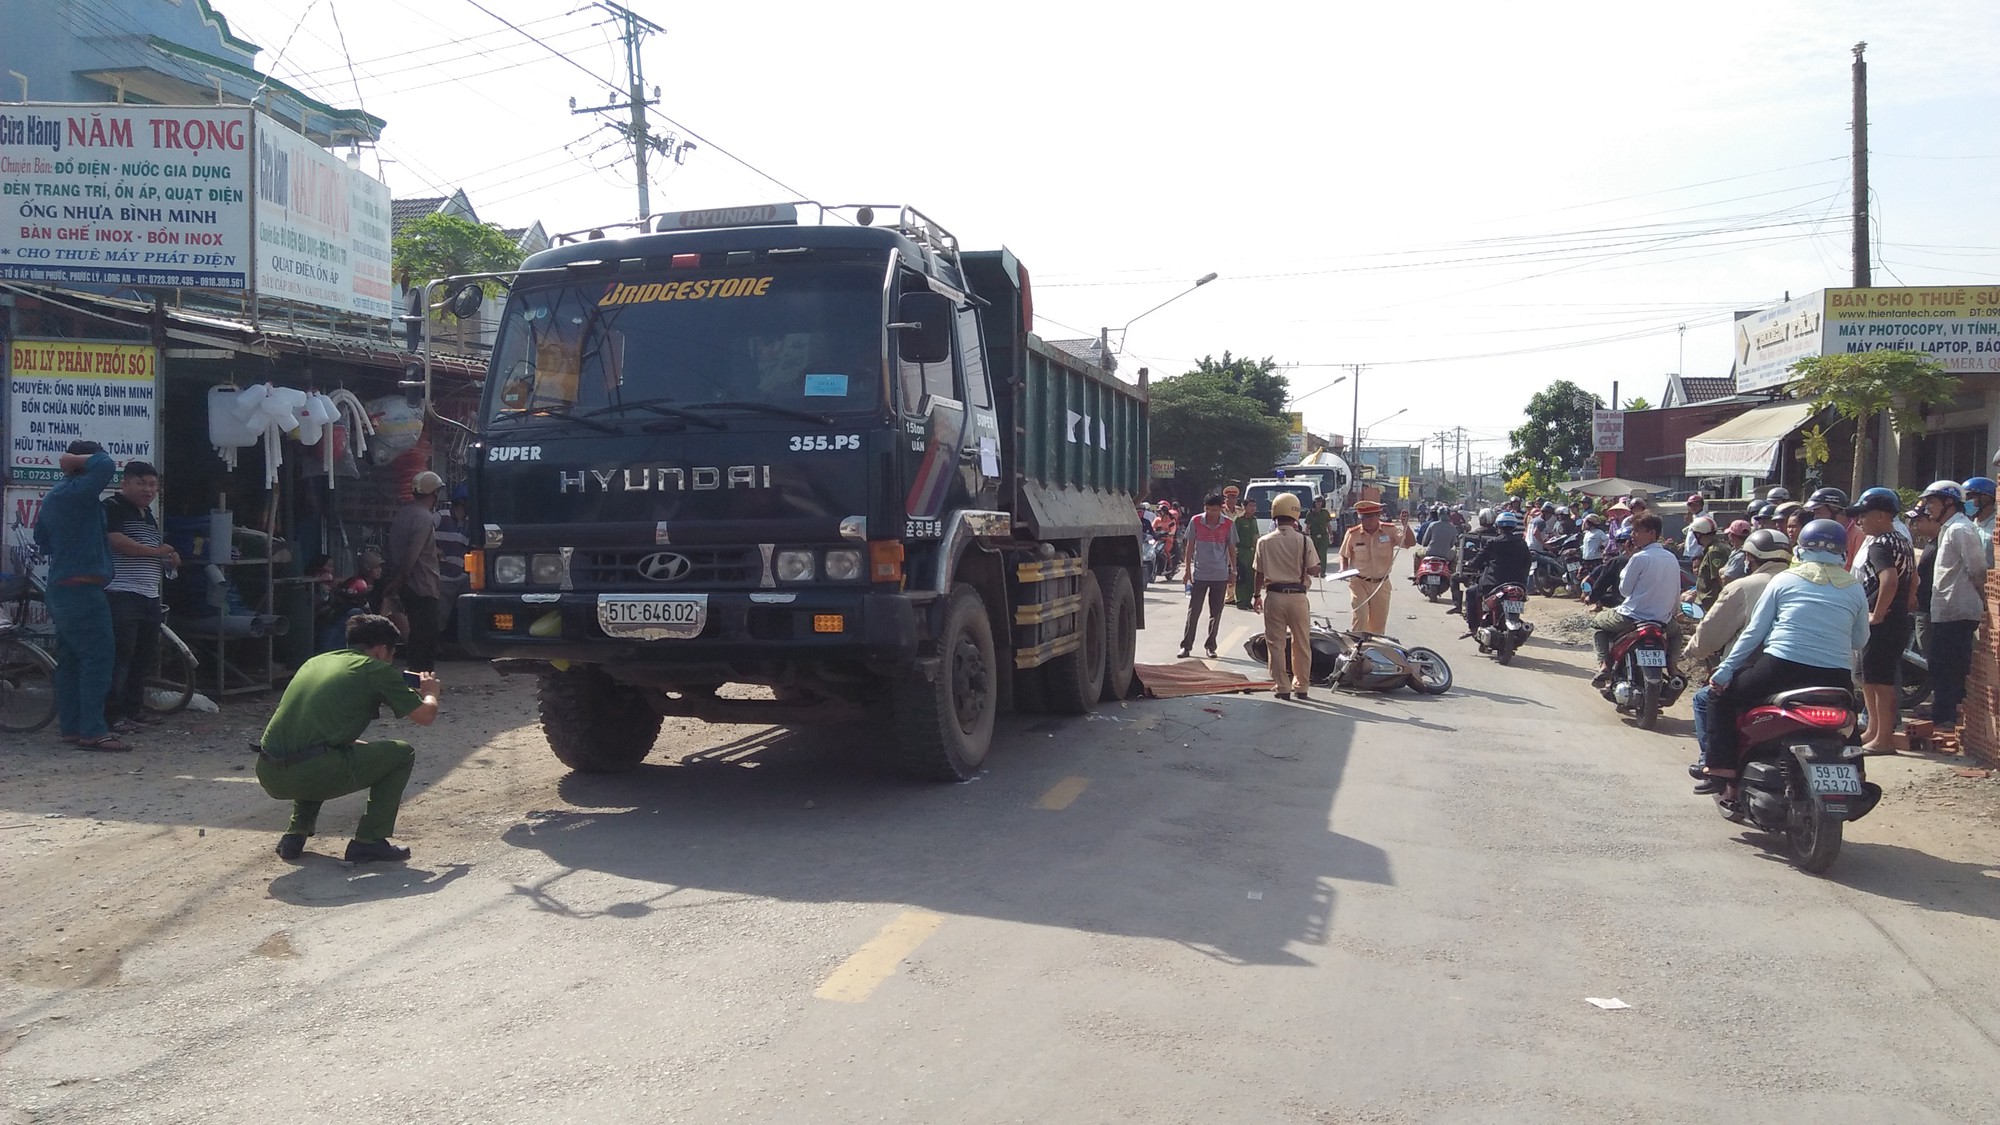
{"points": [[1800, 779], [1365, 661]]}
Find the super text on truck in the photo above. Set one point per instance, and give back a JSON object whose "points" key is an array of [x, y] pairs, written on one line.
{"points": [[826, 458]]}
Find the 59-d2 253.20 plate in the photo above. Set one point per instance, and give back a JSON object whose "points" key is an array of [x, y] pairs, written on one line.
{"points": [[652, 617]]}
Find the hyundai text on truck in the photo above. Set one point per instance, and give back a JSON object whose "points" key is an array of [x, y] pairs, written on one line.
{"points": [[827, 458]]}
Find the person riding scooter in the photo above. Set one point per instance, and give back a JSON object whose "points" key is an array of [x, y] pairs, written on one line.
{"points": [[1502, 561], [1469, 544], [1769, 553]]}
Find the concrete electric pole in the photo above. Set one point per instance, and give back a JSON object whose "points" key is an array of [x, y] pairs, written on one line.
{"points": [[634, 129]]}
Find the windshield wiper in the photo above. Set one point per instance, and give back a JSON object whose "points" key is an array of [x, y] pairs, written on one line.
{"points": [[766, 408], [550, 413], [656, 406]]}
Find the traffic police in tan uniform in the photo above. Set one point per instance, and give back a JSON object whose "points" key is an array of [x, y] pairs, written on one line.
{"points": [[1285, 562], [1370, 547]]}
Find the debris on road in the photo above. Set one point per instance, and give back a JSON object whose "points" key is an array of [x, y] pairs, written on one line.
{"points": [[1607, 1003]]}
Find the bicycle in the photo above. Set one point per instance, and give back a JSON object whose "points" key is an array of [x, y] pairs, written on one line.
{"points": [[170, 685]]}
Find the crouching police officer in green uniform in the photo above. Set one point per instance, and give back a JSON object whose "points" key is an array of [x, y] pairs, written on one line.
{"points": [[310, 756]]}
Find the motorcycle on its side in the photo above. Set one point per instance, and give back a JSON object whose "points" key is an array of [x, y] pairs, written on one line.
{"points": [[1503, 631], [1644, 681], [1433, 576], [1800, 779]]}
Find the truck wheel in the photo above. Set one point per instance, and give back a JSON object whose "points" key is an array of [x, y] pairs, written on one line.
{"points": [[594, 723], [945, 726], [1121, 631], [1073, 681]]}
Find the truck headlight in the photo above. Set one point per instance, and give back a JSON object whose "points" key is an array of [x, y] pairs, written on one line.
{"points": [[509, 570], [547, 569], [794, 566], [843, 566]]}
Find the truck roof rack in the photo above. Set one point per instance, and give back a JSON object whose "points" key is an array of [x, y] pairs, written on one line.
{"points": [[910, 222]]}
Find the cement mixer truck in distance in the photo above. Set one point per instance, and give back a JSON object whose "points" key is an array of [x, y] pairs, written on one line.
{"points": [[827, 459]]}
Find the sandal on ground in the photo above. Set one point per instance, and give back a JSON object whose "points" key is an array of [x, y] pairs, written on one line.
{"points": [[106, 743]]}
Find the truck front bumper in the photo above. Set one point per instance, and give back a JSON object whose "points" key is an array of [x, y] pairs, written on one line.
{"points": [[743, 631]]}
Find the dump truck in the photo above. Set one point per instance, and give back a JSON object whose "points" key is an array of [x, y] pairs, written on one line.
{"points": [[828, 458]]}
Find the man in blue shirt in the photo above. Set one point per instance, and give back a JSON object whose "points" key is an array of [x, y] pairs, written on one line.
{"points": [[70, 533], [1650, 584]]}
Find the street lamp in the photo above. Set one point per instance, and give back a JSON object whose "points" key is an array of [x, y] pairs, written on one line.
{"points": [[1363, 431], [1204, 279]]}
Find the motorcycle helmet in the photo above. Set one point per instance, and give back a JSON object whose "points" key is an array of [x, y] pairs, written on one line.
{"points": [[1834, 498], [354, 591], [1508, 521], [1825, 536], [1777, 495], [1946, 488], [1486, 517], [1876, 499], [1592, 519], [1284, 504], [1786, 509], [1738, 529], [1765, 511], [1701, 525], [1978, 486], [1622, 535], [1768, 544]]}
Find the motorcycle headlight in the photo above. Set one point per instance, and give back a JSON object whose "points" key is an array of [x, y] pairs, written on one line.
{"points": [[794, 566], [547, 569], [843, 566], [510, 570]]}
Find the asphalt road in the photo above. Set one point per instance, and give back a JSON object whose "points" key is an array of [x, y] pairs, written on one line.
{"points": [[1361, 909]]}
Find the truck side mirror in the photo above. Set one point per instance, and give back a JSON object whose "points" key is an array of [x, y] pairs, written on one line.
{"points": [[465, 303], [923, 324]]}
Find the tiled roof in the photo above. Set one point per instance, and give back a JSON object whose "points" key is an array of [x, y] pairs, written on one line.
{"points": [[1088, 349], [405, 211], [1703, 390]]}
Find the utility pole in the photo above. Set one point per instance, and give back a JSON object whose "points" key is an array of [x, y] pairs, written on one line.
{"points": [[1860, 161], [1465, 466], [635, 129], [1355, 449]]}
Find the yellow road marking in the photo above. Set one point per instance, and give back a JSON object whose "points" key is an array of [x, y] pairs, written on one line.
{"points": [[1235, 641], [1062, 793], [872, 964]]}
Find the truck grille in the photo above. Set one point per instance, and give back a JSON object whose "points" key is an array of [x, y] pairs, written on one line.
{"points": [[708, 568]]}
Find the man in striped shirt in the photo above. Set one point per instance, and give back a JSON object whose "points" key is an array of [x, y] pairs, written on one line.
{"points": [[139, 559]]}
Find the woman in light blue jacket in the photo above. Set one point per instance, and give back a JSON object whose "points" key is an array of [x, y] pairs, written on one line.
{"points": [[1809, 623]]}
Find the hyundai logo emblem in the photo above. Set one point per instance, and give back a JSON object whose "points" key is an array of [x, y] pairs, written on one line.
{"points": [[664, 566]]}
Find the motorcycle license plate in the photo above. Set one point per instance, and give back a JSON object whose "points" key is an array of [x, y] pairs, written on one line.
{"points": [[1512, 606], [1833, 779], [653, 617], [1652, 658], [1432, 581]]}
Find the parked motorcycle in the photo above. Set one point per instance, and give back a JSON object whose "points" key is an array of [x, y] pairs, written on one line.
{"points": [[1503, 630], [1644, 681], [1913, 680], [1799, 778], [1154, 559], [1433, 576]]}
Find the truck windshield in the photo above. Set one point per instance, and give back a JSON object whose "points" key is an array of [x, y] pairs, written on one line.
{"points": [[805, 337], [1259, 496]]}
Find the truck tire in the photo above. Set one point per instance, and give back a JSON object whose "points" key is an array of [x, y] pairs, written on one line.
{"points": [[1072, 682], [594, 723], [945, 726], [1121, 631]]}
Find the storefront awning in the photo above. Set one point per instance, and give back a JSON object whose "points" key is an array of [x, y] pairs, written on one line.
{"points": [[1746, 445]]}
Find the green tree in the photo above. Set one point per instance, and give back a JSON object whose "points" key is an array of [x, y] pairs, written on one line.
{"points": [[1860, 385], [1255, 379], [1556, 437], [440, 245], [1637, 404], [1211, 433]]}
